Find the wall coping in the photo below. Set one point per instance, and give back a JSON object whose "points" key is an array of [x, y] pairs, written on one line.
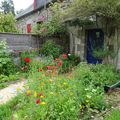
{"points": [[10, 33]]}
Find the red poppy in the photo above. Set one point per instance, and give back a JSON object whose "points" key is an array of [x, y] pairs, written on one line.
{"points": [[40, 94], [38, 101], [17, 51], [60, 63], [64, 56], [40, 70], [48, 67], [27, 60]]}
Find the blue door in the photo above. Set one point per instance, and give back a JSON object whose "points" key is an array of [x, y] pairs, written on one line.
{"points": [[95, 39]]}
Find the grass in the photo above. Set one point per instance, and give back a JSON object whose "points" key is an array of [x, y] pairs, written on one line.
{"points": [[115, 115], [7, 109]]}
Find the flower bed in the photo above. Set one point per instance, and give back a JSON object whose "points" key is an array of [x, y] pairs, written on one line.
{"points": [[74, 95]]}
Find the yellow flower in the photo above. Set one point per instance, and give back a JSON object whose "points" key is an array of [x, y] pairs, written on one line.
{"points": [[24, 86], [43, 103], [51, 93], [59, 79], [81, 106], [42, 96], [43, 75], [43, 83], [87, 101], [71, 93], [64, 83], [35, 94], [51, 80], [28, 91], [17, 89]]}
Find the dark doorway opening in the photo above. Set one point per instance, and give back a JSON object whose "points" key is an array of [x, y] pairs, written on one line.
{"points": [[95, 39]]}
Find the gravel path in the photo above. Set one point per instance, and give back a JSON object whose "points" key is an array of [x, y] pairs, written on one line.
{"points": [[11, 91]]}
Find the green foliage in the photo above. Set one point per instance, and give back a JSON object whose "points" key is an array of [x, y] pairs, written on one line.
{"points": [[104, 52], [6, 63], [52, 26], [115, 115], [7, 23], [101, 53], [87, 8], [4, 80], [27, 54], [51, 48], [68, 63]]}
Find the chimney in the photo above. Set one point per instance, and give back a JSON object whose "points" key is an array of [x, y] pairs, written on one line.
{"points": [[35, 4]]}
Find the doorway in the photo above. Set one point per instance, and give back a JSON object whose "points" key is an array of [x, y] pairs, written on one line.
{"points": [[95, 39]]}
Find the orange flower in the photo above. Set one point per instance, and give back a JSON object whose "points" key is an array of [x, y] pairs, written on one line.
{"points": [[40, 70], [57, 59]]}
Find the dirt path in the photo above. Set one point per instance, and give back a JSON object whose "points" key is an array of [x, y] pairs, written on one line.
{"points": [[11, 91]]}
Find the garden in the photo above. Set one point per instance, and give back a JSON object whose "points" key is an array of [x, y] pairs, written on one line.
{"points": [[50, 83], [57, 86]]}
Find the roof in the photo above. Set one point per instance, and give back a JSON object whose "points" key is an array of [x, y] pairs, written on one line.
{"points": [[30, 9]]}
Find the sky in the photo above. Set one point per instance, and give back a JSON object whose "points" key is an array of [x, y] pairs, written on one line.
{"points": [[21, 4]]}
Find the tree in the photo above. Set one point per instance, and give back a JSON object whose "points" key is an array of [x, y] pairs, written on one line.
{"points": [[7, 23], [8, 6]]}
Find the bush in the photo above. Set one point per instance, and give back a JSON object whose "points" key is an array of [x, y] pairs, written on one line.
{"points": [[51, 48], [6, 62], [69, 61]]}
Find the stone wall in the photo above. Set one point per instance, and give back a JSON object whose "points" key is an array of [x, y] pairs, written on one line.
{"points": [[20, 41], [77, 41], [31, 41]]}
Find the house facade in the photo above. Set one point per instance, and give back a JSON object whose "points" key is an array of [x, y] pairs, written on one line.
{"points": [[35, 13]]}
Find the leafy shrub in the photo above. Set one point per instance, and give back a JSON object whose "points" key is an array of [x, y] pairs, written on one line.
{"points": [[69, 61], [6, 63], [25, 59], [51, 48]]}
